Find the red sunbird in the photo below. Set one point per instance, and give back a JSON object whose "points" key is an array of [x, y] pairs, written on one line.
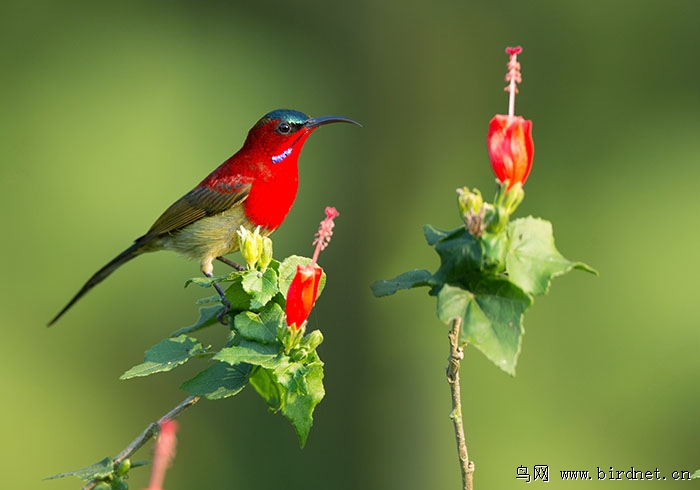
{"points": [[255, 187]]}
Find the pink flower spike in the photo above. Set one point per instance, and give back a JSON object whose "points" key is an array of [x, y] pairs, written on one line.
{"points": [[325, 232], [513, 77], [164, 452]]}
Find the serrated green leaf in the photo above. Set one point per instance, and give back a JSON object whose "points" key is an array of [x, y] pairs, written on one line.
{"points": [[165, 356], [219, 380], [287, 270], [264, 355], [294, 388], [261, 286], [461, 255], [304, 390], [207, 317], [532, 260], [100, 470], [492, 314], [260, 327], [407, 280]]}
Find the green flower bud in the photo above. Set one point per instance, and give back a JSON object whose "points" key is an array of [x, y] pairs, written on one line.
{"points": [[124, 467], [470, 202], [473, 209], [250, 245], [265, 254], [313, 340], [299, 354]]}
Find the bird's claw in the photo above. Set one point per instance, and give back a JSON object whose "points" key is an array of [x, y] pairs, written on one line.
{"points": [[221, 316], [226, 303]]}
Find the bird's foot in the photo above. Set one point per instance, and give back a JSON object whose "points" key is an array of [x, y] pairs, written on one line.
{"points": [[221, 316]]}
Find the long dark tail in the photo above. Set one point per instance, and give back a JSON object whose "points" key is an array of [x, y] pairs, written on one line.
{"points": [[99, 276]]}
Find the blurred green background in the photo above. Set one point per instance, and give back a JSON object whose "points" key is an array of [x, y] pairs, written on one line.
{"points": [[111, 112]]}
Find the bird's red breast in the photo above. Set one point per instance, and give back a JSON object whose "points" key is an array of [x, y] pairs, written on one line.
{"points": [[268, 170]]}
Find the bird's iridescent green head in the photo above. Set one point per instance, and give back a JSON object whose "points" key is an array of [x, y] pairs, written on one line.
{"points": [[284, 122], [280, 132], [287, 115], [287, 121]]}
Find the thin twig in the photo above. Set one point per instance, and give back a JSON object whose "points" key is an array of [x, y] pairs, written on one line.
{"points": [[146, 435], [456, 356], [231, 263]]}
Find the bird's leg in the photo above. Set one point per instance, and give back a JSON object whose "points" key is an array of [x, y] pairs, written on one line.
{"points": [[231, 263], [224, 301]]}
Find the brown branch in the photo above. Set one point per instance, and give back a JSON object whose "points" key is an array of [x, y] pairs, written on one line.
{"points": [[145, 436], [456, 356]]}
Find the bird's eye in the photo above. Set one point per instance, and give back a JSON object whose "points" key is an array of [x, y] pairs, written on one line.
{"points": [[283, 128]]}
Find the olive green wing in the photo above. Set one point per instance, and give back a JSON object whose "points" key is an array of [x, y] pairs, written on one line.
{"points": [[199, 203]]}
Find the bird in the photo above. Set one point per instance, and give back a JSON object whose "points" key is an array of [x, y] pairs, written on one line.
{"points": [[255, 187]]}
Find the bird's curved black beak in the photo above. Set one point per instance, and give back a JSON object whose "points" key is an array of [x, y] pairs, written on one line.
{"points": [[314, 122]]}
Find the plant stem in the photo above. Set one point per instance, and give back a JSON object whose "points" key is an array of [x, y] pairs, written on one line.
{"points": [[456, 356], [146, 435]]}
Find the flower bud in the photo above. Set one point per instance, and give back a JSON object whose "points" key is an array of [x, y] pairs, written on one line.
{"points": [[469, 201], [265, 254], [124, 467], [250, 245], [302, 294], [313, 340], [471, 205], [511, 148]]}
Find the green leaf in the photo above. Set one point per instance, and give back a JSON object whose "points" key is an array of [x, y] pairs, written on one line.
{"points": [[205, 282], [220, 380], [294, 388], [696, 474], [261, 286], [288, 268], [304, 390], [208, 300], [260, 327], [532, 260], [433, 235], [207, 317], [265, 383], [240, 300], [460, 256], [165, 356], [492, 313], [407, 280], [100, 470], [253, 353]]}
